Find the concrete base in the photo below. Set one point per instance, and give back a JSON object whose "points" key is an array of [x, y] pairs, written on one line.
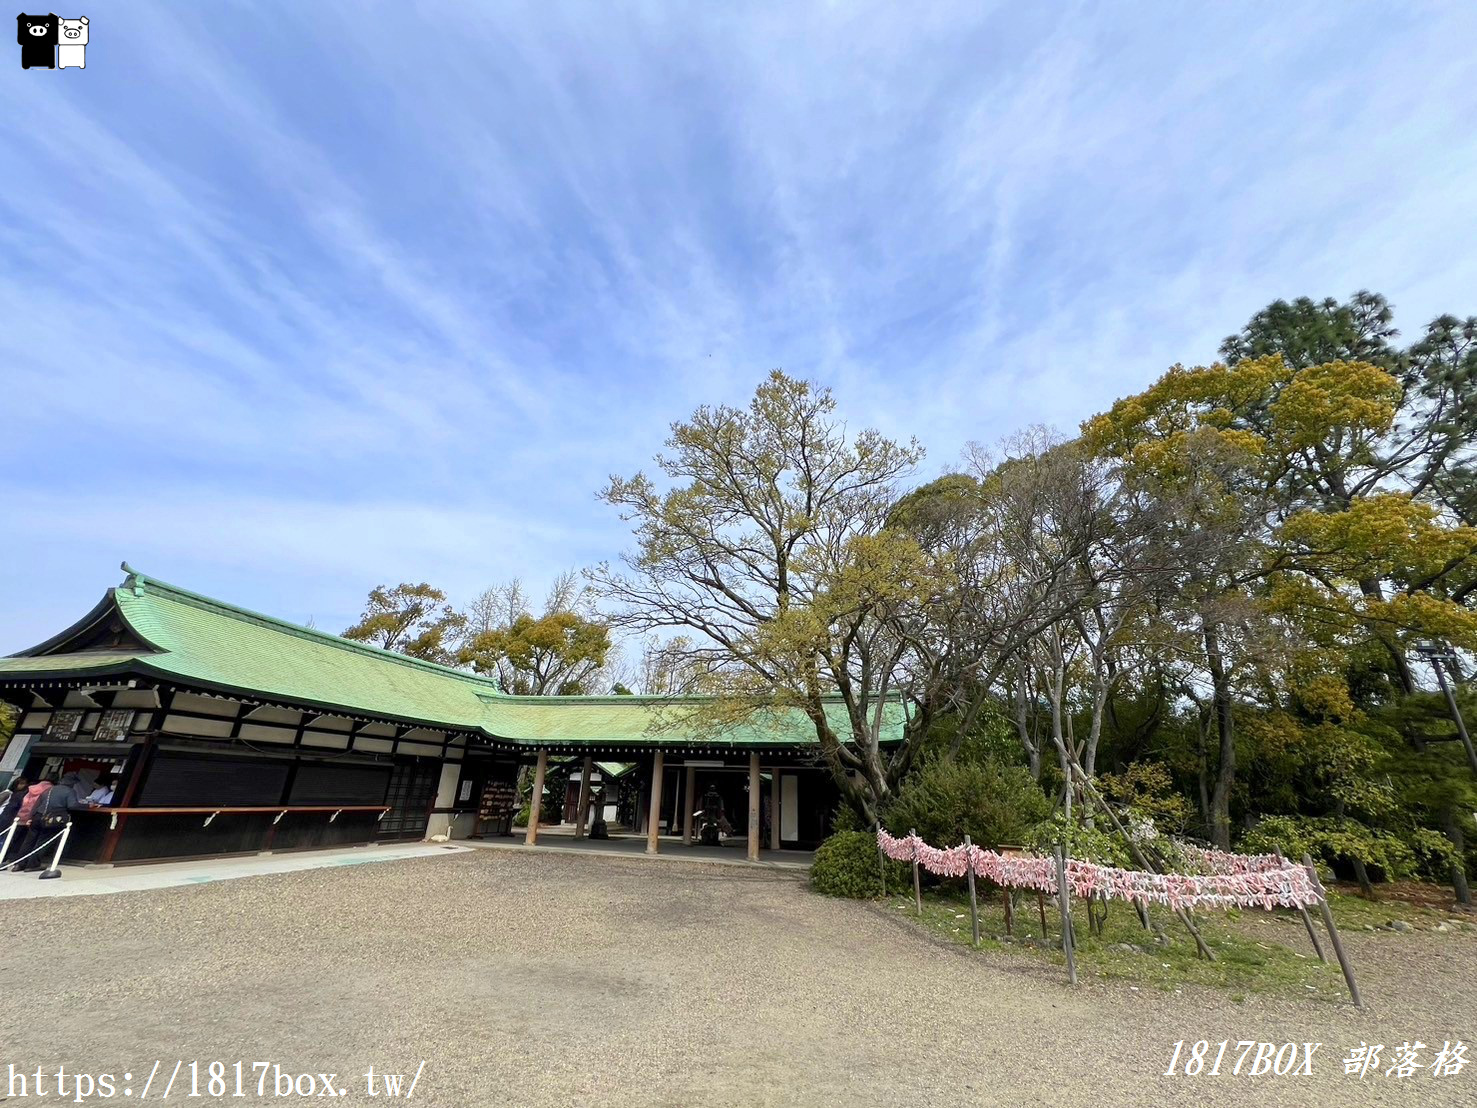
{"points": [[98, 880], [672, 850]]}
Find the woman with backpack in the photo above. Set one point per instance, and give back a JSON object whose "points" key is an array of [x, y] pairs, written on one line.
{"points": [[28, 824]]}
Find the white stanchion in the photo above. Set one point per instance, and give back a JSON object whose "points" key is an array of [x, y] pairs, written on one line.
{"points": [[53, 871], [14, 866], [5, 849]]}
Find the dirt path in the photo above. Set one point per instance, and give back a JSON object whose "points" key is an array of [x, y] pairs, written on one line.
{"points": [[546, 980]]}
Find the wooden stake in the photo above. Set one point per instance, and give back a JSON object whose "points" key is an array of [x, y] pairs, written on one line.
{"points": [[1139, 857], [974, 908], [1063, 901], [1333, 932], [1143, 911], [1308, 923], [1009, 912], [917, 887], [1041, 904]]}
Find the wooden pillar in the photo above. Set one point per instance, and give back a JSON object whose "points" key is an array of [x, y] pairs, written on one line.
{"points": [[536, 798], [654, 820], [583, 812], [774, 808], [687, 803], [754, 786]]}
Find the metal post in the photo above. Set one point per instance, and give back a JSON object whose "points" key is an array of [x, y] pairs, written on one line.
{"points": [[917, 887], [10, 834], [974, 908], [1333, 932], [1062, 899], [52, 871], [1456, 713]]}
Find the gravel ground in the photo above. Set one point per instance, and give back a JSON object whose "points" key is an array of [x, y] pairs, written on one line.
{"points": [[539, 979]]}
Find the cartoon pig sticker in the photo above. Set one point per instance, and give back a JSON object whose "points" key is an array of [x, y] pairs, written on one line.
{"points": [[71, 51]]}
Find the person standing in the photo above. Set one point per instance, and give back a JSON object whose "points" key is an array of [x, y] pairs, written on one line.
{"points": [[14, 798], [52, 813], [25, 818], [102, 796]]}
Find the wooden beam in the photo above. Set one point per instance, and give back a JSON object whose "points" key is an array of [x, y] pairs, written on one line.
{"points": [[774, 808], [536, 800], [654, 820], [135, 767], [754, 787], [580, 813], [687, 802]]}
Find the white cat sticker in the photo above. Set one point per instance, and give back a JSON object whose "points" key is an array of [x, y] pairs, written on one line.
{"points": [[71, 51]]}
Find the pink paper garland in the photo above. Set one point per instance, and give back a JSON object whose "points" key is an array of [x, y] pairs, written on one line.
{"points": [[1220, 861], [1255, 885]]}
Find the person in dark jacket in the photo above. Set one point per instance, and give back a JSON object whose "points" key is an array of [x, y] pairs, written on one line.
{"points": [[24, 818], [17, 796], [51, 814]]}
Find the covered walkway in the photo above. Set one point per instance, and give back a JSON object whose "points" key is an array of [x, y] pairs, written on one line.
{"points": [[627, 845], [763, 800]]}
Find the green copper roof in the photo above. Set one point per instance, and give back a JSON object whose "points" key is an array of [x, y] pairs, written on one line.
{"points": [[66, 665], [208, 643]]}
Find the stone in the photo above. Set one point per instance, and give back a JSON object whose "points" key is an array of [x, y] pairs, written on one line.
{"points": [[1398, 925]]}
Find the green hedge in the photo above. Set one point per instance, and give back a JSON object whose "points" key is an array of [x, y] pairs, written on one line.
{"points": [[846, 865], [991, 801]]}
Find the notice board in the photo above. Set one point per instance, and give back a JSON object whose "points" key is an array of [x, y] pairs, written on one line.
{"points": [[496, 806]]}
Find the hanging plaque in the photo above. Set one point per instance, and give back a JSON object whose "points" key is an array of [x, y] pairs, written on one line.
{"points": [[114, 725]]}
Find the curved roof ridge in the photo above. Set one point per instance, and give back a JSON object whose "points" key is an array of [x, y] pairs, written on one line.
{"points": [[137, 581], [652, 698]]}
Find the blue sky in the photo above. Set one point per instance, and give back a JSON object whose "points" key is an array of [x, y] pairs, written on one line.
{"points": [[302, 298]]}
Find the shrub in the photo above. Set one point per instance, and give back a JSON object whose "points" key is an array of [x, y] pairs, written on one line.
{"points": [[991, 801], [1333, 841], [846, 865], [1086, 844], [1147, 791]]}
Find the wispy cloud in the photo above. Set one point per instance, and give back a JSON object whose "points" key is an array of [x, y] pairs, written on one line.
{"points": [[322, 295]]}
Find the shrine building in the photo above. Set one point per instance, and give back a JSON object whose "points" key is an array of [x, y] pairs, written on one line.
{"points": [[232, 732]]}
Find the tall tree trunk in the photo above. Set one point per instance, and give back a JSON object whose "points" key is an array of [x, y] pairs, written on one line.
{"points": [[1022, 726], [1225, 774], [1458, 866], [1202, 728], [1372, 589]]}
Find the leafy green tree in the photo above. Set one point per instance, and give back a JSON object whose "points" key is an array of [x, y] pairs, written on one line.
{"points": [[764, 549], [410, 619], [562, 650], [1305, 332], [554, 654]]}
